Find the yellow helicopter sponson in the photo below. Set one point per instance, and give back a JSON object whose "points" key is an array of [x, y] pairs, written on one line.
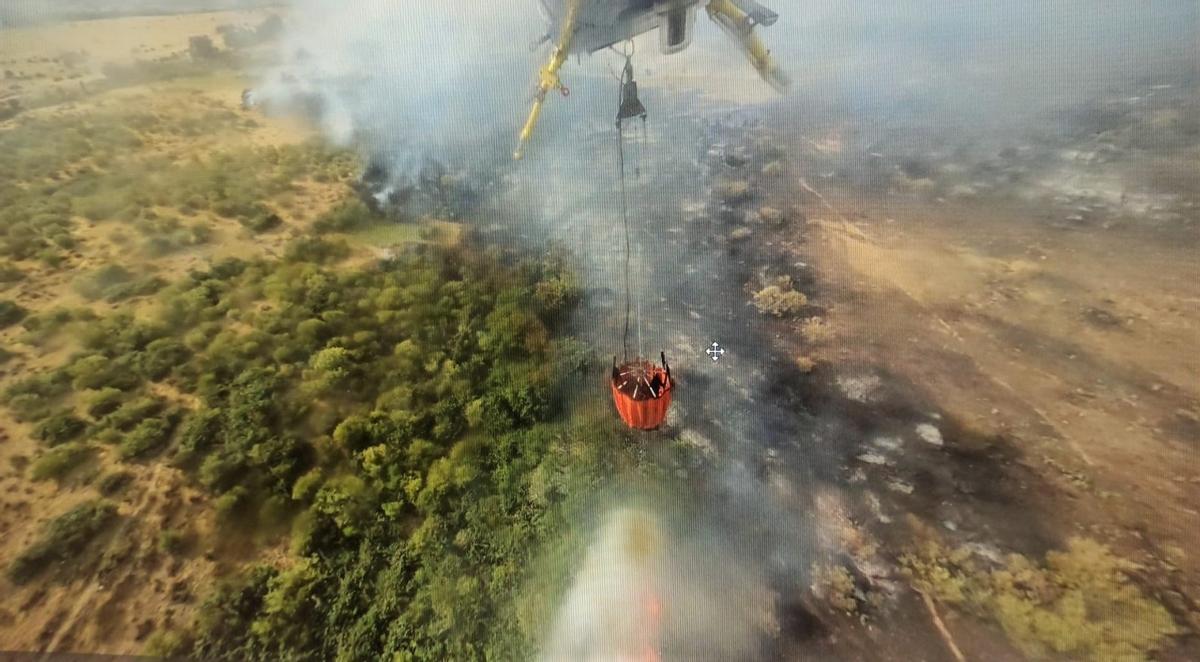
{"points": [[586, 26]]}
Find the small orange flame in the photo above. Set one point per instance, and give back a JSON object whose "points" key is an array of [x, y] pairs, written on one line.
{"points": [[653, 607]]}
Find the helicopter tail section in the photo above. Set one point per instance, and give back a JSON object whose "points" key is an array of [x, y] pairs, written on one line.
{"points": [[738, 18]]}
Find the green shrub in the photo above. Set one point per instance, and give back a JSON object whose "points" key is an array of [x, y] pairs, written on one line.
{"points": [[30, 399], [96, 371], [10, 313], [199, 434], [144, 286], [9, 273], [260, 220], [98, 283], [100, 206], [63, 538], [161, 356], [59, 461], [148, 436], [315, 249], [27, 407], [113, 483], [165, 644], [231, 504], [104, 402], [133, 412], [59, 428], [40, 327], [172, 541], [348, 216]]}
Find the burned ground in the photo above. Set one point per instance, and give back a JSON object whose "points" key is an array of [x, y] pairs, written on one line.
{"points": [[858, 426]]}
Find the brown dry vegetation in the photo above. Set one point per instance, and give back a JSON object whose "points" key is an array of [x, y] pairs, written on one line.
{"points": [[780, 298]]}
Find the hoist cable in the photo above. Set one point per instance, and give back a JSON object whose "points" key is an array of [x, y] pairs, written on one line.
{"points": [[625, 225]]}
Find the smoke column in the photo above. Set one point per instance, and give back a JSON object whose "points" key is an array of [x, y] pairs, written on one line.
{"points": [[409, 82]]}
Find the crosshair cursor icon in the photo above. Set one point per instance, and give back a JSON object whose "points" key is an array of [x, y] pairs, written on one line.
{"points": [[715, 352]]}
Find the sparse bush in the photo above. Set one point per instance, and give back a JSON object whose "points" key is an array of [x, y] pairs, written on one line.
{"points": [[144, 438], [260, 220], [102, 205], [556, 294], [133, 412], [201, 47], [771, 216], [63, 538], [10, 313], [172, 541], [30, 399], [28, 407], [348, 216], [98, 283], [165, 644], [816, 331], [237, 36], [835, 585], [329, 369], [96, 371], [141, 287], [40, 327], [59, 461], [734, 192], [307, 485], [9, 273], [114, 483], [780, 299], [161, 356], [59, 428], [230, 504], [104, 402], [315, 249]]}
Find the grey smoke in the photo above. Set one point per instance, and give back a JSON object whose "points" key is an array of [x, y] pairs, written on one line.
{"points": [[408, 82]]}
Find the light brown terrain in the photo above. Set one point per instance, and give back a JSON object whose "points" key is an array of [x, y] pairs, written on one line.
{"points": [[1075, 347]]}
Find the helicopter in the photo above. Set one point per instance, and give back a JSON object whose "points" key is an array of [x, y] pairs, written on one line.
{"points": [[587, 26]]}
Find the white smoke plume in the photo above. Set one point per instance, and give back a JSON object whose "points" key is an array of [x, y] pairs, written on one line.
{"points": [[645, 592], [408, 81]]}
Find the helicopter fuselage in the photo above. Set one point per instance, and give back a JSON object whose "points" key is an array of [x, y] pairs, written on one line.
{"points": [[602, 23], [586, 26]]}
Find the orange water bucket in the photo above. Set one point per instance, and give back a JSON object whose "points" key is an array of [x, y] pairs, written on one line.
{"points": [[641, 391]]}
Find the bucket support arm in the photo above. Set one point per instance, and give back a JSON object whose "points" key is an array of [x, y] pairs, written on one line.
{"points": [[739, 25], [548, 77]]}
